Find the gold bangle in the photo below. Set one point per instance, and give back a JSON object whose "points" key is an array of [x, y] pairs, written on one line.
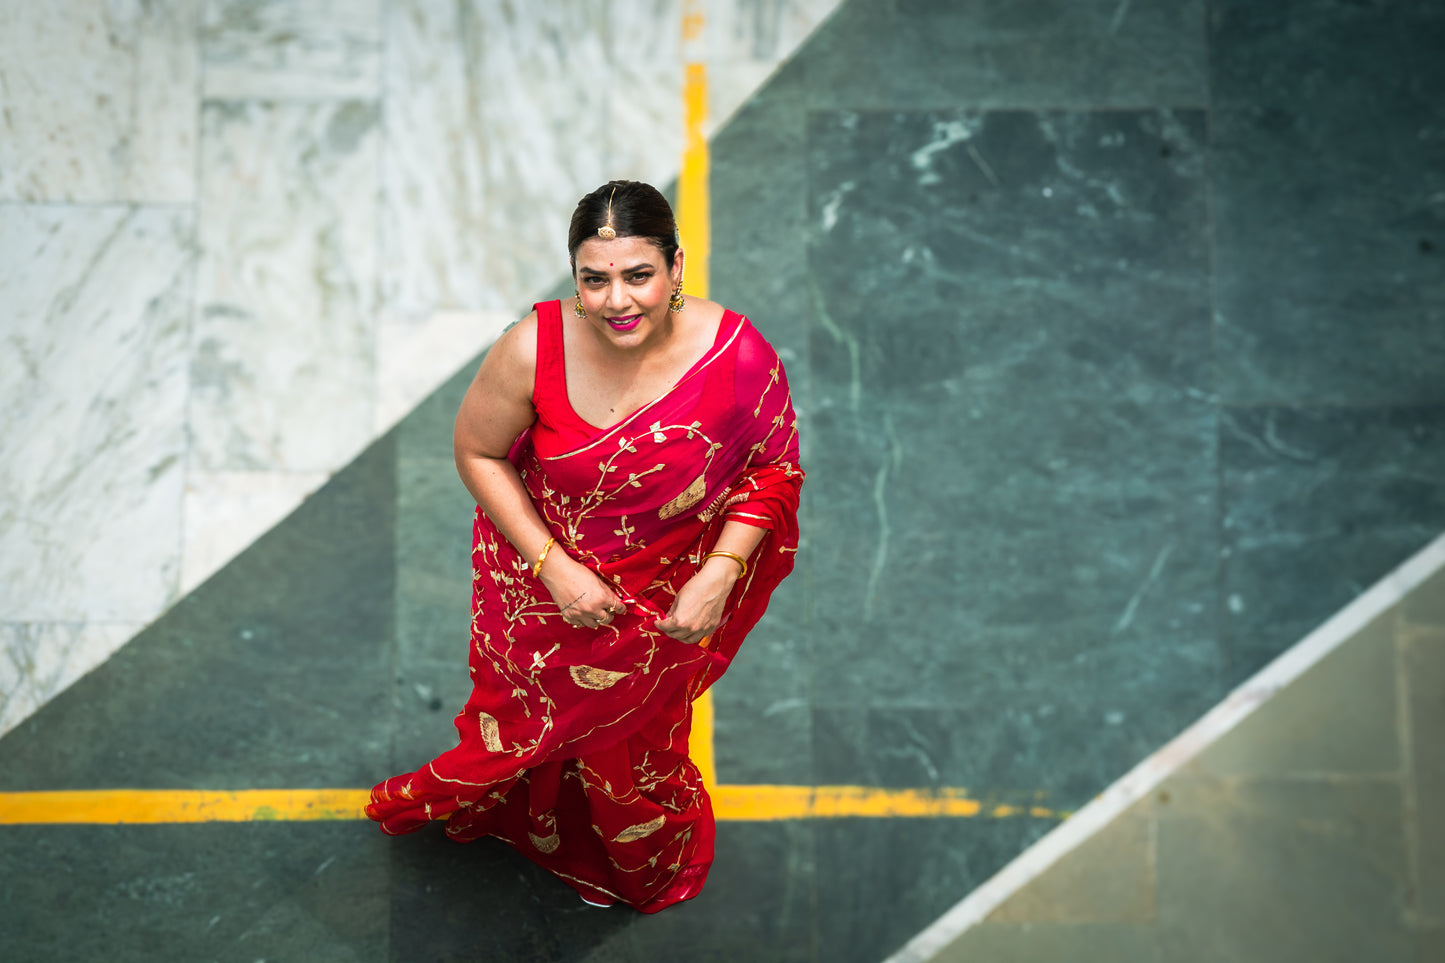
{"points": [[537, 565], [736, 558]]}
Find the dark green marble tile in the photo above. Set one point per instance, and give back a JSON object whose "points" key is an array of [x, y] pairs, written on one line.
{"points": [[1328, 159], [275, 672], [483, 901], [1015, 475], [880, 881], [1054, 748], [1048, 53], [1282, 870], [763, 725], [1043, 53], [1318, 505], [213, 891]]}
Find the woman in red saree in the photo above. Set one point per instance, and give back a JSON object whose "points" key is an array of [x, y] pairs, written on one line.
{"points": [[634, 458]]}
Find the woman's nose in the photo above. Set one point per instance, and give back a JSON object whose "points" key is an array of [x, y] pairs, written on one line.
{"points": [[616, 295]]}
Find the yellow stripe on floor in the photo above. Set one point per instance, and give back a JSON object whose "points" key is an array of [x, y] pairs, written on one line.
{"points": [[120, 807], [140, 806]]}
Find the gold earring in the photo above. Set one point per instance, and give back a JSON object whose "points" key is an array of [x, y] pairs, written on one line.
{"points": [[677, 302], [577, 307]]}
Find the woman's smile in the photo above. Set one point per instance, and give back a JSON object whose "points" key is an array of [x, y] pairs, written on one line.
{"points": [[625, 323]]}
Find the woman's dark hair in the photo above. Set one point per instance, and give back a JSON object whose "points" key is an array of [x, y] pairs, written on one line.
{"points": [[638, 210]]}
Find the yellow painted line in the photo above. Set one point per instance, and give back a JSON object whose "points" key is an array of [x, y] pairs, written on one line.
{"points": [[119, 807], [692, 184], [141, 806], [700, 743]]}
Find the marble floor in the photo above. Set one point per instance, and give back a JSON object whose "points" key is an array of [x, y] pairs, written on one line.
{"points": [[1116, 333]]}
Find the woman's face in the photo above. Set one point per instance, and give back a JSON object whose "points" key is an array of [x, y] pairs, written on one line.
{"points": [[625, 284]]}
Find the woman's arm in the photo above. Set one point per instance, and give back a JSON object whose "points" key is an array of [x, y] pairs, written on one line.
{"points": [[496, 409], [698, 609]]}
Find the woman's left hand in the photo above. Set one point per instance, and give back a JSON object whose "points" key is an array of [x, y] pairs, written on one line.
{"points": [[698, 609]]}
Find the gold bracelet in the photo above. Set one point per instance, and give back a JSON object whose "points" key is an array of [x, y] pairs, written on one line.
{"points": [[736, 558], [537, 566]]}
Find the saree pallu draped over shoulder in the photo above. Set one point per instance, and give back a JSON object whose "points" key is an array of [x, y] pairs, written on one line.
{"points": [[574, 744]]}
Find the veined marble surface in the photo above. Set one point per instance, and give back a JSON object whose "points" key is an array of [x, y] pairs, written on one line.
{"points": [[98, 101], [284, 331], [240, 239], [291, 49], [92, 459]]}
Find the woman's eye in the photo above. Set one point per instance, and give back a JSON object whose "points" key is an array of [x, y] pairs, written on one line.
{"points": [[639, 278]]}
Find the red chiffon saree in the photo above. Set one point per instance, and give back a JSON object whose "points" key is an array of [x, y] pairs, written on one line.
{"points": [[574, 744]]}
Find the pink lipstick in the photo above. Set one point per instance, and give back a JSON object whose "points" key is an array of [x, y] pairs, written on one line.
{"points": [[625, 323]]}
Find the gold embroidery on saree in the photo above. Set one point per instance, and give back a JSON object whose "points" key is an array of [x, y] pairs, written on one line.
{"points": [[545, 844], [641, 831], [491, 732], [690, 496], [589, 677]]}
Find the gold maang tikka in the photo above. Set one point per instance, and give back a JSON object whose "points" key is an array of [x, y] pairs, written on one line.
{"points": [[605, 231]]}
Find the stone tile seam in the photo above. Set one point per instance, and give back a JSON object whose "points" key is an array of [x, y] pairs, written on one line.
{"points": [[1165, 762]]}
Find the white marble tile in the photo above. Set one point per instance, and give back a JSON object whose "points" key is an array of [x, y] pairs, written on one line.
{"points": [[99, 101], [645, 89], [303, 49], [92, 396], [761, 31], [415, 358], [224, 512], [40, 660], [497, 122], [283, 363]]}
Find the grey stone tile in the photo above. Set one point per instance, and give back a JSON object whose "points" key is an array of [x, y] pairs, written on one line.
{"points": [[1338, 717], [1108, 879], [1430, 944], [1318, 505], [758, 904], [1425, 606], [311, 891], [434, 516], [483, 901], [1327, 236], [1038, 942], [880, 881], [1423, 658], [1282, 870], [275, 672]]}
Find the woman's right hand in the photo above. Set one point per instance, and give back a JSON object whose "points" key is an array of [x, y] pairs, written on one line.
{"points": [[583, 598]]}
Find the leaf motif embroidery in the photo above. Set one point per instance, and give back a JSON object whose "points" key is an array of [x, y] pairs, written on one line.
{"points": [[641, 831], [491, 732], [589, 677], [690, 496], [545, 844]]}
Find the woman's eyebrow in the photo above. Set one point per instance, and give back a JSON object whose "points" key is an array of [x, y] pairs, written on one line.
{"points": [[627, 270]]}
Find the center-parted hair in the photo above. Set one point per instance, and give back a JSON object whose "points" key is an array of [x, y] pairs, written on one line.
{"points": [[637, 210]]}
